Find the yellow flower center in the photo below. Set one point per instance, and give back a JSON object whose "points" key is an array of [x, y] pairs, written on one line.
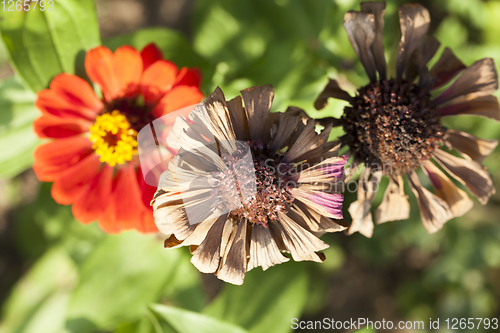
{"points": [[114, 139]]}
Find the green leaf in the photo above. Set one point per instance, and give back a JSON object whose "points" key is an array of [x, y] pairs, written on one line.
{"points": [[17, 138], [38, 302], [267, 301], [42, 44], [119, 279], [184, 321]]}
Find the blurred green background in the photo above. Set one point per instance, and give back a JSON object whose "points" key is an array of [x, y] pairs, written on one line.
{"points": [[57, 275]]}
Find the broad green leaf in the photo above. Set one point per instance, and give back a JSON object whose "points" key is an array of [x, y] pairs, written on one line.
{"points": [[184, 321], [172, 43], [119, 279], [17, 138], [39, 300], [42, 44], [267, 301]]}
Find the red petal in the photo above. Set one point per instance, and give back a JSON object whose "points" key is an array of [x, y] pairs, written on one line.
{"points": [[92, 202], [72, 182], [157, 80], [100, 69], [127, 199], [148, 222], [178, 98], [189, 77], [48, 126], [150, 54], [69, 96], [53, 158], [128, 69]]}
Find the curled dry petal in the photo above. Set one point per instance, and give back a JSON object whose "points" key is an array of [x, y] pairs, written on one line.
{"points": [[414, 20], [485, 106], [446, 68], [360, 29], [378, 10], [470, 173], [360, 209], [332, 89], [470, 146], [480, 79], [434, 211], [458, 201], [395, 205]]}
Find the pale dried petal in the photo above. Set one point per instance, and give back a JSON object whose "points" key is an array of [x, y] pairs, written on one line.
{"points": [[258, 102], [434, 211], [332, 89], [360, 209], [458, 201], [470, 146], [479, 79], [395, 205], [414, 20], [216, 118], [263, 249], [300, 242], [470, 173], [360, 29]]}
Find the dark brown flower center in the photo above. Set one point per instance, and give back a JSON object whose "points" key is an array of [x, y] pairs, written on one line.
{"points": [[138, 113], [256, 184], [392, 126]]}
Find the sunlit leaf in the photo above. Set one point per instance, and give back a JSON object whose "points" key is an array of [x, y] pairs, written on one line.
{"points": [[267, 301], [17, 138], [184, 321], [42, 44], [119, 279], [38, 302]]}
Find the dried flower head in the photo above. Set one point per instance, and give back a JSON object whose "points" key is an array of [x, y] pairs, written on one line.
{"points": [[393, 125], [248, 184]]}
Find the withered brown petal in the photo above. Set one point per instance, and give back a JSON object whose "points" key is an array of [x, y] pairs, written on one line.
{"points": [[414, 20], [217, 120], [238, 118], [485, 106], [424, 52], [332, 89], [394, 206], [434, 211], [471, 146], [307, 141], [377, 8], [458, 201], [234, 260], [479, 79], [258, 102], [206, 257], [470, 173], [287, 125], [360, 29], [263, 249], [446, 68]]}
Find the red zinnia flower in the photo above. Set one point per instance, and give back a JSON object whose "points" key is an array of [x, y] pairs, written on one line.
{"points": [[93, 158]]}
